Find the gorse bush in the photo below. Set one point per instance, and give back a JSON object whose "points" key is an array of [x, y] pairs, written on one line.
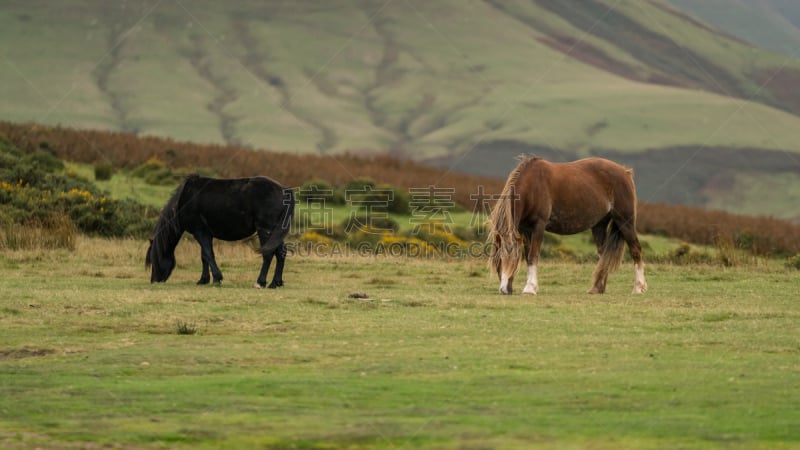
{"points": [[793, 262], [397, 200], [103, 172], [36, 192], [319, 192], [362, 193], [154, 171]]}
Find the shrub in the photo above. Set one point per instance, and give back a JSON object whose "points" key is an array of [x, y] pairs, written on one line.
{"points": [[103, 172], [155, 172], [185, 328], [559, 251], [318, 192], [398, 199], [727, 254], [33, 197], [314, 238], [359, 184], [44, 160], [403, 246], [362, 193], [372, 223], [793, 262], [685, 254]]}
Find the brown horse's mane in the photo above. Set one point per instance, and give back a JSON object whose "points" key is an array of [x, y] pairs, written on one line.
{"points": [[502, 225]]}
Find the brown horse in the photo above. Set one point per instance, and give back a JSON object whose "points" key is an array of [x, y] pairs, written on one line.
{"points": [[565, 198]]}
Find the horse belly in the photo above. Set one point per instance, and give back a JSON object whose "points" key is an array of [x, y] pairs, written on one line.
{"points": [[572, 222], [566, 227], [229, 226]]}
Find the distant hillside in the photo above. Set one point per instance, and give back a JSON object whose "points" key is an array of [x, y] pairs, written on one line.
{"points": [[458, 83], [769, 24]]}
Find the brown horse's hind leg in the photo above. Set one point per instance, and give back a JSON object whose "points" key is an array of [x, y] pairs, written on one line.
{"points": [[628, 230], [610, 253], [599, 234]]}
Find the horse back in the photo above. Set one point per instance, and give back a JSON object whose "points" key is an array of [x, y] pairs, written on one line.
{"points": [[575, 195], [230, 209], [591, 178]]}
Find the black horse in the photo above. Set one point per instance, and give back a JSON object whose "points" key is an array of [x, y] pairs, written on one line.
{"points": [[227, 209]]}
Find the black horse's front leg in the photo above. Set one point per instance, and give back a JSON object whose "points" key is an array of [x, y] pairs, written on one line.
{"points": [[266, 259], [280, 260], [205, 276], [207, 255]]}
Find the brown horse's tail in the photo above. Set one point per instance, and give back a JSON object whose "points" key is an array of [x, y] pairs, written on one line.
{"points": [[612, 252]]}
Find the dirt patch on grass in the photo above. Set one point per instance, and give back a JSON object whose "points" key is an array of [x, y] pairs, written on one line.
{"points": [[21, 353]]}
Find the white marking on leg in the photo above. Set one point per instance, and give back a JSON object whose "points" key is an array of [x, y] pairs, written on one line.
{"points": [[639, 281], [504, 284], [532, 285]]}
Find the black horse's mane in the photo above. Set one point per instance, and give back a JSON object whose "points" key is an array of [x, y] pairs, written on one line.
{"points": [[167, 227]]}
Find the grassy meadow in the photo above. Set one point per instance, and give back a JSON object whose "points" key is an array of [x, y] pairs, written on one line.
{"points": [[93, 355]]}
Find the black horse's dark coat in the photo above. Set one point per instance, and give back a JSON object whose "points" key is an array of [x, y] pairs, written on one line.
{"points": [[227, 209]]}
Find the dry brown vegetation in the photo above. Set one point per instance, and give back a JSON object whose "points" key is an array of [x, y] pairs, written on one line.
{"points": [[126, 150], [760, 235]]}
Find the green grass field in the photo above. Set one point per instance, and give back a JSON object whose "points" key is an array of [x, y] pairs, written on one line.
{"points": [[92, 355]]}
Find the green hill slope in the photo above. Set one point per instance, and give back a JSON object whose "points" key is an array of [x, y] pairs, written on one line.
{"points": [[442, 81], [769, 24]]}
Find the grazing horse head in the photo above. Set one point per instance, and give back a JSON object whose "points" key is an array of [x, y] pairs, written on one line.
{"points": [[160, 256], [162, 267], [505, 256], [504, 237]]}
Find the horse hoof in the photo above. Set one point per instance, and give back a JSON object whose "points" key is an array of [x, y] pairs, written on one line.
{"points": [[530, 291], [594, 291], [258, 286]]}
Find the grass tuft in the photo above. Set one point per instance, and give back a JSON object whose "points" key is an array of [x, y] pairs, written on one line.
{"points": [[186, 327]]}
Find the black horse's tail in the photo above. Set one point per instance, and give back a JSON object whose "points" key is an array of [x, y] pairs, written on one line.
{"points": [[282, 226]]}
